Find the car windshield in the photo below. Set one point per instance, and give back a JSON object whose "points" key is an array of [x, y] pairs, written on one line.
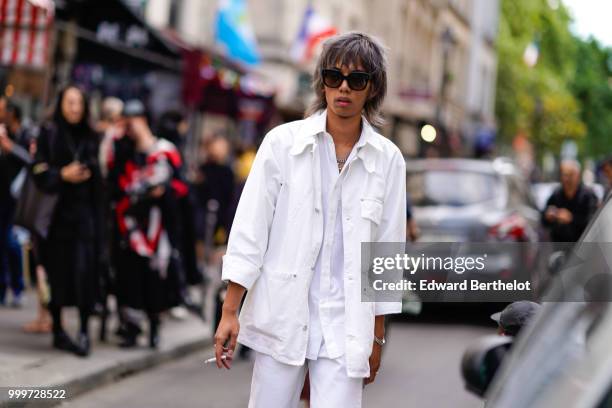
{"points": [[440, 187]]}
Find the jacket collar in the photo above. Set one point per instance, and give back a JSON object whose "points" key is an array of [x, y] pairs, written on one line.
{"points": [[315, 124]]}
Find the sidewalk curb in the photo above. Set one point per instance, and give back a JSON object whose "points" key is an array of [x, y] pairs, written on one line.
{"points": [[77, 386]]}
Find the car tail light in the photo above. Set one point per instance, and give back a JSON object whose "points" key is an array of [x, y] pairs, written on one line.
{"points": [[512, 228]]}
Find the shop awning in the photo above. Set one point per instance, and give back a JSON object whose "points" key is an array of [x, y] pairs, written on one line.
{"points": [[25, 30], [106, 28]]}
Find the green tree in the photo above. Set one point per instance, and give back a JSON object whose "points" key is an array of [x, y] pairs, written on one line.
{"points": [[592, 87], [537, 100]]}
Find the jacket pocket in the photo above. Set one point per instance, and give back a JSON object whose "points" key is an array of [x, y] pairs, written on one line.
{"points": [[371, 208]]}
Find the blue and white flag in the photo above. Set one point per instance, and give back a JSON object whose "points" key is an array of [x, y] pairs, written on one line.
{"points": [[234, 32]]}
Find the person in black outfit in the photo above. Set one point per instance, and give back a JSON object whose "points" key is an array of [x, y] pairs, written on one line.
{"points": [[215, 191], [12, 158], [570, 207], [66, 163]]}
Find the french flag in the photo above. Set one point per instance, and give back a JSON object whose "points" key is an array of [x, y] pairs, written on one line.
{"points": [[313, 31]]}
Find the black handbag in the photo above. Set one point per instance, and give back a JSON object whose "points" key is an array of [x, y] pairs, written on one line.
{"points": [[34, 209]]}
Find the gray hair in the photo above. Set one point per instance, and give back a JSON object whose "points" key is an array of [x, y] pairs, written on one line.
{"points": [[358, 49], [111, 108], [572, 163]]}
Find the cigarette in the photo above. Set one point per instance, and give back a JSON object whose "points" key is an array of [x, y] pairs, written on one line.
{"points": [[214, 359]]}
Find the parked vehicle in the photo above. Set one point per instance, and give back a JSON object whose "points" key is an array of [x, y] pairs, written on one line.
{"points": [[562, 358], [463, 200], [475, 202]]}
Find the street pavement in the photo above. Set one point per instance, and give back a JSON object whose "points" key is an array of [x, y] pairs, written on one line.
{"points": [[420, 368], [28, 360]]}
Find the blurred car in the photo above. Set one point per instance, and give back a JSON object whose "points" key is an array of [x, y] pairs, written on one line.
{"points": [[477, 203], [542, 192], [463, 200], [562, 358]]}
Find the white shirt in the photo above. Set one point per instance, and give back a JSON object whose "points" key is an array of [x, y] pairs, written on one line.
{"points": [[277, 235], [326, 295]]}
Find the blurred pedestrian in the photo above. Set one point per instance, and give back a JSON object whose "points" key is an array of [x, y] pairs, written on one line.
{"points": [[66, 164], [173, 126], [515, 316], [215, 191], [606, 169], [242, 168], [110, 128], [42, 323], [318, 188], [146, 191], [412, 229], [12, 158], [570, 207]]}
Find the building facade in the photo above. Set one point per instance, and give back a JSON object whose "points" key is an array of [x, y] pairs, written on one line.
{"points": [[442, 57]]}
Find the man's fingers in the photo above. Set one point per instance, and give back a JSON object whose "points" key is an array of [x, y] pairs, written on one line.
{"points": [[227, 363], [218, 353], [230, 351], [233, 341], [219, 341]]}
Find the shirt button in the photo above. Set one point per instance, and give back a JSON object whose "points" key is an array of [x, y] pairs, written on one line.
{"points": [[304, 328]]}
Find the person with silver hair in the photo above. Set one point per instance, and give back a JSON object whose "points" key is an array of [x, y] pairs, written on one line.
{"points": [[571, 206], [318, 188], [110, 128]]}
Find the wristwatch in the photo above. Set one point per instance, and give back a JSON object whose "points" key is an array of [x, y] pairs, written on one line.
{"points": [[380, 341]]}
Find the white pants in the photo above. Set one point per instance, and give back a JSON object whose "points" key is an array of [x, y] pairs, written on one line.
{"points": [[279, 385]]}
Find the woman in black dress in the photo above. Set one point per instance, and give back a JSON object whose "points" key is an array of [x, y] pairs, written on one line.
{"points": [[66, 164]]}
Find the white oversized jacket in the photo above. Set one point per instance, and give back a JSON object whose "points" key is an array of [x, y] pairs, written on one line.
{"points": [[278, 230]]}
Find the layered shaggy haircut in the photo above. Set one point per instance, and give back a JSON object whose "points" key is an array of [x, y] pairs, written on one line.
{"points": [[354, 48]]}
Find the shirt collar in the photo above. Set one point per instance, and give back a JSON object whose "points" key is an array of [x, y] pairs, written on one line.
{"points": [[315, 124]]}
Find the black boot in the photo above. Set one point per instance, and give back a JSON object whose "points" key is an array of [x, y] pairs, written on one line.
{"points": [[130, 335], [83, 345], [61, 341], [154, 332]]}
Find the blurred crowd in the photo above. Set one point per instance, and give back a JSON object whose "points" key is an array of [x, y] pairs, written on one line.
{"points": [[109, 207]]}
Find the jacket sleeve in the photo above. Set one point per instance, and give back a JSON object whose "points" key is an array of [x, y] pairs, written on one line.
{"points": [[393, 222], [583, 216], [550, 202], [46, 174], [248, 239]]}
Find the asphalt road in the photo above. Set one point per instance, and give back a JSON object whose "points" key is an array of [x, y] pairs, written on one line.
{"points": [[420, 368]]}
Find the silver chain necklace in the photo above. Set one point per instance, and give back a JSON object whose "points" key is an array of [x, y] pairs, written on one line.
{"points": [[341, 162]]}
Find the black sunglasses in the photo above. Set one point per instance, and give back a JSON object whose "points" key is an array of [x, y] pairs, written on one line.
{"points": [[356, 80]]}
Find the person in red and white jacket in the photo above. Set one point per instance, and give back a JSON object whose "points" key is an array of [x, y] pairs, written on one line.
{"points": [[146, 186]]}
